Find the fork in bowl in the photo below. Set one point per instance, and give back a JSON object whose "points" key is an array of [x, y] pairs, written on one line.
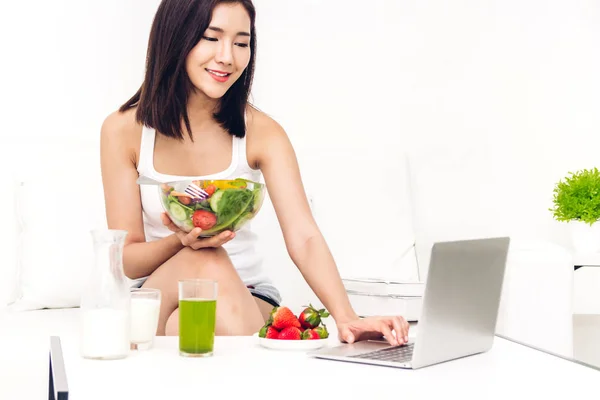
{"points": [[189, 188]]}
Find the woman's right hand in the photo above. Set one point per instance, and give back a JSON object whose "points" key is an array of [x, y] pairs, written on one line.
{"points": [[191, 239]]}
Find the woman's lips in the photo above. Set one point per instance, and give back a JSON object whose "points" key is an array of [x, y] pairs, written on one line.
{"points": [[219, 76]]}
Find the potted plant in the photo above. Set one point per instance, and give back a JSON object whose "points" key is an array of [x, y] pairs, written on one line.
{"points": [[577, 202]]}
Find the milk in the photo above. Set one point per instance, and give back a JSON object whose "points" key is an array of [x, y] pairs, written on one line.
{"points": [[144, 320], [104, 333]]}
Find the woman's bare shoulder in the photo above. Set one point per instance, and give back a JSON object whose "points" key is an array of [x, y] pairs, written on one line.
{"points": [[121, 126], [261, 126], [265, 137], [121, 131]]}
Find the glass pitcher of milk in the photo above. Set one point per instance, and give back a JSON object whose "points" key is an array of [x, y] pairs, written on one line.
{"points": [[105, 301]]}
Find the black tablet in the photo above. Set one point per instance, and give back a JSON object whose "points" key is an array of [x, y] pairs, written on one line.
{"points": [[57, 385]]}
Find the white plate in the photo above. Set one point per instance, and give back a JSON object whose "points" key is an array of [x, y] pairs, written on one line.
{"points": [[302, 345]]}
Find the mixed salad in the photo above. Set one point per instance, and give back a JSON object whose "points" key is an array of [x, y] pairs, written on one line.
{"points": [[228, 205]]}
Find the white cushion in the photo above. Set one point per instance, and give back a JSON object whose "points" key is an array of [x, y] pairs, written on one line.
{"points": [[60, 200], [458, 193]]}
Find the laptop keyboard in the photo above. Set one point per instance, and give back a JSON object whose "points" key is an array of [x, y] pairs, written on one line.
{"points": [[400, 354]]}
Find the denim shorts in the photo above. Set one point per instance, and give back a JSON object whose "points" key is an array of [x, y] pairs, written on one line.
{"points": [[266, 292]]}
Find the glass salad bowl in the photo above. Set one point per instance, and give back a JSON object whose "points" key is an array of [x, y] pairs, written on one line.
{"points": [[212, 205]]}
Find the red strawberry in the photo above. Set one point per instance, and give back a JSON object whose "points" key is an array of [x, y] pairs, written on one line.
{"points": [[204, 219], [290, 333], [272, 333], [283, 317], [310, 334], [311, 317]]}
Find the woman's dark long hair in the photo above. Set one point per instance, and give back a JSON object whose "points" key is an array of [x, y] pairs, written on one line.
{"points": [[162, 99]]}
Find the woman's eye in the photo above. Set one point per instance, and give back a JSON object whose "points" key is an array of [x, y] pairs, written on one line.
{"points": [[212, 39]]}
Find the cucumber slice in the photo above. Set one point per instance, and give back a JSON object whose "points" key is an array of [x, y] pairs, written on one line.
{"points": [[189, 209], [214, 200], [178, 211]]}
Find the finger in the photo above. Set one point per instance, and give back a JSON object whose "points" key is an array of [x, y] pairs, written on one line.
{"points": [[196, 243], [224, 235], [406, 329], [170, 224], [167, 221], [399, 329], [220, 239], [215, 241], [190, 238], [384, 328], [346, 335], [165, 218], [403, 334], [173, 228]]}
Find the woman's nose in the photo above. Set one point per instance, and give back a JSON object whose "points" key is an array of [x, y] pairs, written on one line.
{"points": [[224, 54]]}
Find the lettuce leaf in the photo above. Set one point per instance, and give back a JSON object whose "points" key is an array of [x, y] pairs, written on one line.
{"points": [[232, 204]]}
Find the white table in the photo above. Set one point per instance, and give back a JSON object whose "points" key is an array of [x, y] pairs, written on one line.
{"points": [[241, 368]]}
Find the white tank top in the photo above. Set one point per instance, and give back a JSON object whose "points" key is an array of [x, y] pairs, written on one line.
{"points": [[241, 249]]}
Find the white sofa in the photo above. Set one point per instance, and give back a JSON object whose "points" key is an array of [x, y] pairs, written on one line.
{"points": [[380, 213]]}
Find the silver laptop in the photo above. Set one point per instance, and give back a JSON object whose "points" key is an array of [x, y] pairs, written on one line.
{"points": [[460, 309]]}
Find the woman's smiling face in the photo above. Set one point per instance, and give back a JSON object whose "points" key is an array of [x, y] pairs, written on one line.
{"points": [[223, 52]]}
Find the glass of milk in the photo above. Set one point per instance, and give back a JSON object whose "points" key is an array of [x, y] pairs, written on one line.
{"points": [[105, 301], [145, 308]]}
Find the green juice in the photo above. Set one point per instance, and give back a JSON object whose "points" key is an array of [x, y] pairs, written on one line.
{"points": [[197, 318]]}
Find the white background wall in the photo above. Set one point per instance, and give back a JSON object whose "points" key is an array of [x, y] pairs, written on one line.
{"points": [[516, 80]]}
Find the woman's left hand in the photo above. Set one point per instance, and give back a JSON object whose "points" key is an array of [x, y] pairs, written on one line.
{"points": [[374, 328]]}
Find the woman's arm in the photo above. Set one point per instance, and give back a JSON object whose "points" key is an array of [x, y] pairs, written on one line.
{"points": [[304, 241], [118, 139]]}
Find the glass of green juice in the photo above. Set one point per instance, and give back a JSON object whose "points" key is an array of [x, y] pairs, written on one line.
{"points": [[197, 317]]}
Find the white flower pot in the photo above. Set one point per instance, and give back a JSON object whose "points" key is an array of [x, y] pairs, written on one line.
{"points": [[586, 238]]}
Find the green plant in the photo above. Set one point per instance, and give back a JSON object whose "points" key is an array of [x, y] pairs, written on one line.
{"points": [[578, 197]]}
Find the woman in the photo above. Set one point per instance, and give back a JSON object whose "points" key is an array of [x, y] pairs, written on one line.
{"points": [[191, 119]]}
